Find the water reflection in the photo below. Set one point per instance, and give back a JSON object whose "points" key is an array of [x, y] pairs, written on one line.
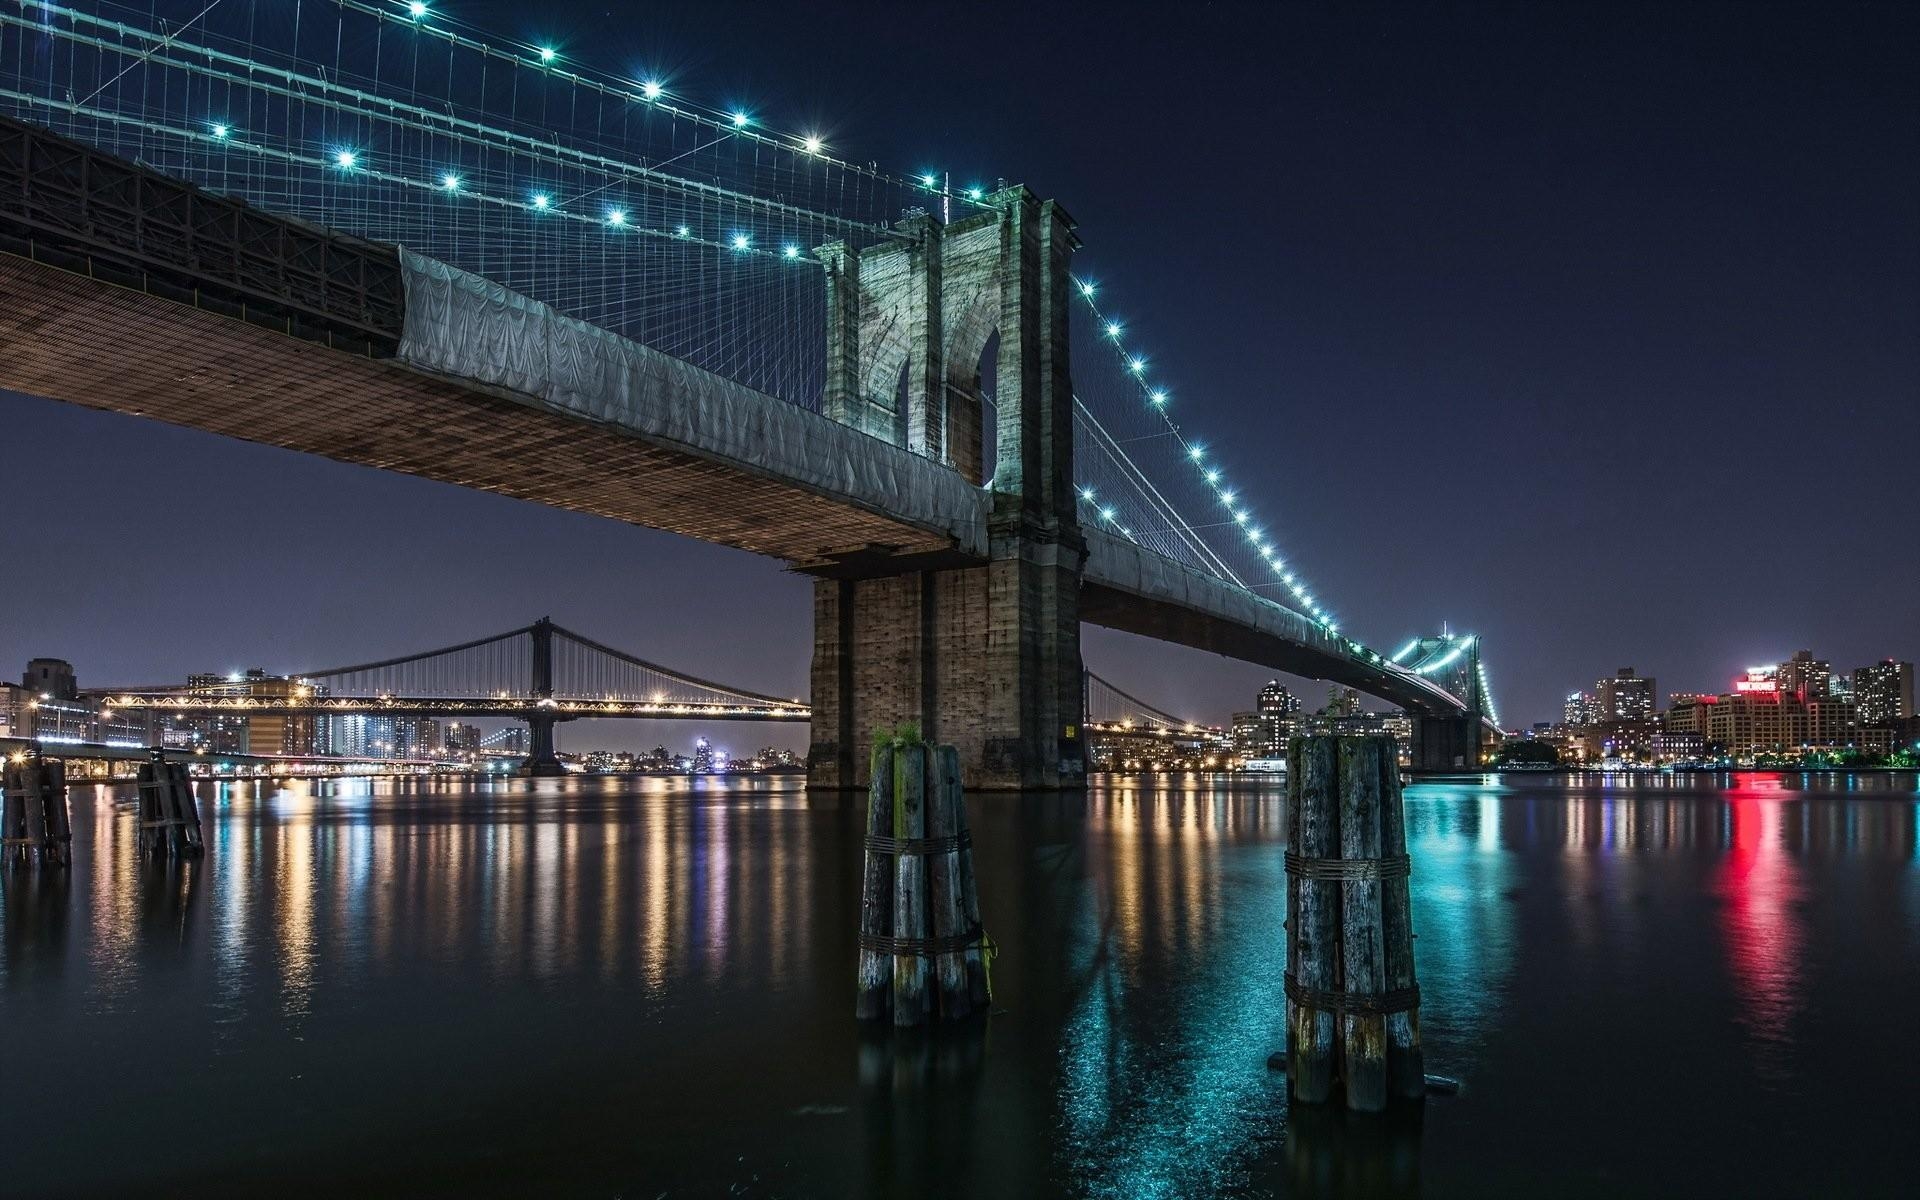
{"points": [[667, 965]]}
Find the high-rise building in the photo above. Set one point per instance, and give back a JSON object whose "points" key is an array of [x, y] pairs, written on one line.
{"points": [[1249, 736], [1805, 677], [1883, 692], [1625, 697], [1580, 711], [458, 738], [1274, 710], [703, 758]]}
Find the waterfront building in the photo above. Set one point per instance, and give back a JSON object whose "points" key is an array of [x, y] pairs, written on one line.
{"points": [[1666, 745], [1883, 692], [47, 705], [1274, 711], [703, 756], [1249, 736], [459, 738]]}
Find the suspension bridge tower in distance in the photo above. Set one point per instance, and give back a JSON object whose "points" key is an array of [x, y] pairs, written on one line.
{"points": [[983, 656]]}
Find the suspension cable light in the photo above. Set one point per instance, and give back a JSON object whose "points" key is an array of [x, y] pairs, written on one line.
{"points": [[1135, 365]]}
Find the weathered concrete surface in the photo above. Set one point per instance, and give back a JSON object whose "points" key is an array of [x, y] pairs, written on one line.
{"points": [[1131, 588]]}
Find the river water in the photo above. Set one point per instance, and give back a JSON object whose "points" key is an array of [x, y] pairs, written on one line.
{"points": [[597, 987]]}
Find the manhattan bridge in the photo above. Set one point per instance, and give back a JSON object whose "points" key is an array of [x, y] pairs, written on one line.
{"points": [[374, 232]]}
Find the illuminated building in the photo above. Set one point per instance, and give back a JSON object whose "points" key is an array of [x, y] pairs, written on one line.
{"points": [[459, 738], [1759, 716], [47, 705], [1625, 697], [1249, 735], [1666, 745], [1805, 676], [703, 756], [1274, 709], [1579, 711], [360, 736], [1883, 692]]}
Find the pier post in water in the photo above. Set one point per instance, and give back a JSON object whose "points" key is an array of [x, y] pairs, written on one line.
{"points": [[911, 1000], [169, 814], [875, 999], [950, 924], [1313, 921], [923, 955], [36, 829], [1406, 1062], [1363, 1033], [1349, 927]]}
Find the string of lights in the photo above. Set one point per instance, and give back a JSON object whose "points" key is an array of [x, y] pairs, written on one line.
{"points": [[1158, 401]]}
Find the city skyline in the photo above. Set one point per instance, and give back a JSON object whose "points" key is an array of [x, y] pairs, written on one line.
{"points": [[1482, 285]]}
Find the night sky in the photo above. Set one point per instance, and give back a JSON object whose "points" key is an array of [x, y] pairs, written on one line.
{"points": [[1594, 330]]}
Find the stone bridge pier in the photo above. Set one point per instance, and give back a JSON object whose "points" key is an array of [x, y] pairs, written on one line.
{"points": [[1446, 743], [985, 656]]}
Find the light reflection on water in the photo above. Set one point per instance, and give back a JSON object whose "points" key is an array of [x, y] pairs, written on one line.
{"points": [[596, 986]]}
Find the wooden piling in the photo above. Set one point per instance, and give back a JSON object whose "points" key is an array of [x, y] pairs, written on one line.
{"points": [[949, 918], [1406, 1062], [1350, 926], [187, 809], [912, 1002], [922, 952], [13, 819], [36, 829], [1362, 956], [58, 850], [875, 996], [169, 814], [979, 986], [1313, 921]]}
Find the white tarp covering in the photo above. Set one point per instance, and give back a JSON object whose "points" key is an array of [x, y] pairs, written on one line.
{"points": [[1130, 567], [462, 325]]}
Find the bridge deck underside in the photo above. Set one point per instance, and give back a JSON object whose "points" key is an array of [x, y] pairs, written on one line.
{"points": [[66, 337]]}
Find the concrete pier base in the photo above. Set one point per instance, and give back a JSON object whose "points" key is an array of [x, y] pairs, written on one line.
{"points": [[1446, 743], [986, 659], [542, 761]]}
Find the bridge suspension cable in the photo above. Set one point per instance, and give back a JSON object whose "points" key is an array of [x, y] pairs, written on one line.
{"points": [[1144, 474], [538, 660], [1109, 705], [618, 201]]}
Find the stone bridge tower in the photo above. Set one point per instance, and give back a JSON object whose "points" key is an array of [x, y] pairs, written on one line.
{"points": [[984, 656]]}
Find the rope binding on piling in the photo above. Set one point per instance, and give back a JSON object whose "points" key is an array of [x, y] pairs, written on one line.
{"points": [[1344, 870], [881, 844], [1358, 1004]]}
